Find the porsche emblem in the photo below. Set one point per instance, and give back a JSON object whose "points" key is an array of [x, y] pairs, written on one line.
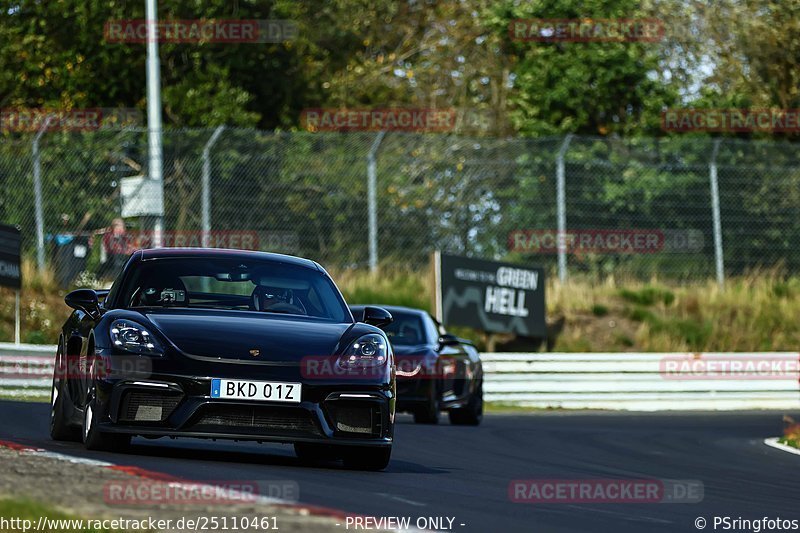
{"points": [[255, 353]]}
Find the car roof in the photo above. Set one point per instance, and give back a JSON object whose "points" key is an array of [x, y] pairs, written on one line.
{"points": [[161, 253], [391, 308]]}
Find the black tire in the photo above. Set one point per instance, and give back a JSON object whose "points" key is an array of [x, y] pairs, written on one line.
{"points": [[60, 429], [368, 457], [94, 439], [311, 453], [472, 414], [429, 413]]}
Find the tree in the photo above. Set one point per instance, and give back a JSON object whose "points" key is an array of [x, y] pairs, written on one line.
{"points": [[582, 87]]}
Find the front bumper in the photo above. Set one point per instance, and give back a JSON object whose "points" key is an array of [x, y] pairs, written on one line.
{"points": [[176, 405]]}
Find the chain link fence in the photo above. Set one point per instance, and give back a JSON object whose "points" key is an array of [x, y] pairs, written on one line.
{"points": [[589, 206]]}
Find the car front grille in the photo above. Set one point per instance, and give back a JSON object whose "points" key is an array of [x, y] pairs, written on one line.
{"points": [[356, 419], [255, 420], [148, 406]]}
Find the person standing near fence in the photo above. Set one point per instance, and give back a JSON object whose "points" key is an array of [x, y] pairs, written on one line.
{"points": [[115, 248]]}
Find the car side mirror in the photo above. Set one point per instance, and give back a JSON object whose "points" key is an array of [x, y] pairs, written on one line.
{"points": [[449, 340], [83, 300], [377, 316]]}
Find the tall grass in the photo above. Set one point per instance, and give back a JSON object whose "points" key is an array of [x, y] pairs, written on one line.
{"points": [[390, 287], [42, 308]]}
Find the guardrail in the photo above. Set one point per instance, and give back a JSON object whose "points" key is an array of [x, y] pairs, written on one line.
{"points": [[639, 381], [26, 370], [617, 381]]}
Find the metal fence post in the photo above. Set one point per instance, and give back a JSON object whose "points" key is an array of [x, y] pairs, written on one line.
{"points": [[712, 174], [561, 200], [155, 147], [206, 209], [372, 200], [37, 194]]}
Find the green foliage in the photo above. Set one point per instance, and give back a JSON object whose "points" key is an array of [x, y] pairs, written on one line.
{"points": [[29, 510], [624, 341], [36, 337], [582, 87], [647, 296], [695, 334], [351, 53], [388, 288], [640, 314]]}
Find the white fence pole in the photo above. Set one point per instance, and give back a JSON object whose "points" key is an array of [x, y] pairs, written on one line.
{"points": [[720, 265], [372, 200], [154, 132], [206, 209], [37, 194], [16, 318], [562, 209]]}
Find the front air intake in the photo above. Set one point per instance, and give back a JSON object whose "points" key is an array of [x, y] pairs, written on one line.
{"points": [[356, 418], [148, 406]]}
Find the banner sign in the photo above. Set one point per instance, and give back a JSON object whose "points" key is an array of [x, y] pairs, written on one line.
{"points": [[10, 245], [490, 296]]}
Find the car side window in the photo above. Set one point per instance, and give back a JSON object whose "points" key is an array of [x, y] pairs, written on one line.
{"points": [[112, 294], [431, 329]]}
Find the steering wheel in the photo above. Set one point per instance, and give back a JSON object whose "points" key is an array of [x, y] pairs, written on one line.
{"points": [[285, 307]]}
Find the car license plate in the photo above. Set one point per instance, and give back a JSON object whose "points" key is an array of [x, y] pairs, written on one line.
{"points": [[261, 391]]}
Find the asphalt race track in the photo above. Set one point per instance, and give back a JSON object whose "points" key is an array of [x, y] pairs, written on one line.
{"points": [[464, 472]]}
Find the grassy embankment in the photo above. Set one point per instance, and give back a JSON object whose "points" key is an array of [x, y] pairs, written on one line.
{"points": [[753, 313], [27, 514]]}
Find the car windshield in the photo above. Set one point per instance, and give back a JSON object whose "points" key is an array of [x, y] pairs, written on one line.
{"points": [[406, 329], [222, 283]]}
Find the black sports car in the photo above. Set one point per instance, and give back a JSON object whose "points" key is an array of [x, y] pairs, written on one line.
{"points": [[435, 370], [214, 343]]}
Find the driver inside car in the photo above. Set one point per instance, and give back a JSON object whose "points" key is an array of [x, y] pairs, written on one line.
{"points": [[276, 300]]}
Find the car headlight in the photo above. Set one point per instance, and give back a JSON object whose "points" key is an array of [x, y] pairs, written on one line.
{"points": [[367, 352], [133, 337]]}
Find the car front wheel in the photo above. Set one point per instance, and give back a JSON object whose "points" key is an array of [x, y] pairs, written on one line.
{"points": [[59, 428], [472, 413], [94, 439], [429, 413]]}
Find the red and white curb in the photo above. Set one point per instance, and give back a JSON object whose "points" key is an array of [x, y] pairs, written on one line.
{"points": [[773, 443], [301, 509]]}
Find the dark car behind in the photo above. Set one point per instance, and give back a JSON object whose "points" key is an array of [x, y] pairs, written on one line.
{"points": [[436, 371]]}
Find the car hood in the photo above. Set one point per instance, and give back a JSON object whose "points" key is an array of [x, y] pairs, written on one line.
{"points": [[238, 335]]}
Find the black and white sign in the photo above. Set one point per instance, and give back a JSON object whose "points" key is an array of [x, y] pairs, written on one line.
{"points": [[260, 391], [490, 296], [10, 244]]}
